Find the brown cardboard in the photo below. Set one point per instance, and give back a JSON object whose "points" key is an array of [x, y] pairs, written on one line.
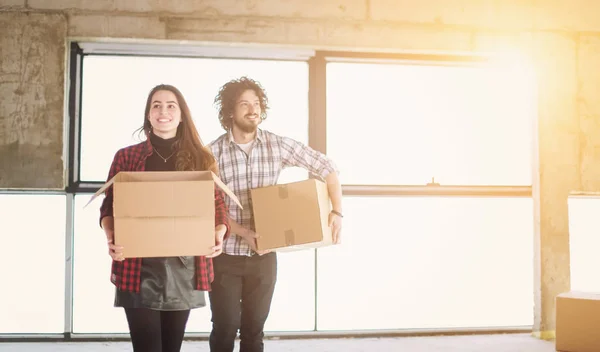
{"points": [[164, 214], [578, 322], [292, 216]]}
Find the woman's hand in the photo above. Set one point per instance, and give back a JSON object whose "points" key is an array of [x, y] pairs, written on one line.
{"points": [[220, 231], [115, 252]]}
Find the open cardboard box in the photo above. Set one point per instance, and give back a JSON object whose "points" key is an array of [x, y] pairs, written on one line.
{"points": [[164, 213]]}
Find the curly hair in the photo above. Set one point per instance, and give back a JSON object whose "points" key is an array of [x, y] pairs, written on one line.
{"points": [[230, 92]]}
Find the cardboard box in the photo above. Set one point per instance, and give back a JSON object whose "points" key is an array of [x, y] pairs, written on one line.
{"points": [[164, 214], [292, 216], [578, 322]]}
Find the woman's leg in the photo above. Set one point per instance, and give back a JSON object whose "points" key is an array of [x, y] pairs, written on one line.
{"points": [[144, 329], [173, 328]]}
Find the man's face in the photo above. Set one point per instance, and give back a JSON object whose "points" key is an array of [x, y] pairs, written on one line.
{"points": [[246, 114]]}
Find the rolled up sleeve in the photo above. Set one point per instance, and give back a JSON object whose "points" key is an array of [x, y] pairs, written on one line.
{"points": [[297, 154]]}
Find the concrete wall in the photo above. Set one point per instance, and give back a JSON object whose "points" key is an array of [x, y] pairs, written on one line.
{"points": [[562, 37], [32, 60]]}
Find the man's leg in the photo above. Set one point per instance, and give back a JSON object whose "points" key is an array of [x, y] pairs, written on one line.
{"points": [[173, 328], [144, 329], [225, 296], [257, 293]]}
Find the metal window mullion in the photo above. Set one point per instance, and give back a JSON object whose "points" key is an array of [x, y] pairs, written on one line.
{"points": [[445, 191], [74, 143], [69, 244], [75, 87], [317, 132]]}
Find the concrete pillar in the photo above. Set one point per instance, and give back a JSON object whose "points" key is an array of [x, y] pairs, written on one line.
{"points": [[557, 170], [32, 66]]}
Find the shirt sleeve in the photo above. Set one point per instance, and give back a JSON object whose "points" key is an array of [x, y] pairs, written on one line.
{"points": [[298, 154], [106, 209], [221, 210]]}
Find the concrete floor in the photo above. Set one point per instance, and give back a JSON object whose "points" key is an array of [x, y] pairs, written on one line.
{"points": [[470, 343]]}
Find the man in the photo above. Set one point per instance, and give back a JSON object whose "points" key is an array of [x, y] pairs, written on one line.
{"points": [[250, 157]]}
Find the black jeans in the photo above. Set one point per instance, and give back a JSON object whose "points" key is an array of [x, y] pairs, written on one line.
{"points": [[155, 330], [240, 298]]}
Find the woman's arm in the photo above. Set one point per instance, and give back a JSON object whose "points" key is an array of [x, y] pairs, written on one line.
{"points": [[221, 212]]}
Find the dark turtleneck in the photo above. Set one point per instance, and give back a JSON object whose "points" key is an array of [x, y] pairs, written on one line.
{"points": [[164, 147]]}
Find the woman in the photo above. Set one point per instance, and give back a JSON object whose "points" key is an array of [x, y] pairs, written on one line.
{"points": [[158, 293]]}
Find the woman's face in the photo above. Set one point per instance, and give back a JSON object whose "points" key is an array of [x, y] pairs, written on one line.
{"points": [[165, 114]]}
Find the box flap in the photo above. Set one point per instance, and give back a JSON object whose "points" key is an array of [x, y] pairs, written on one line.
{"points": [[580, 295], [163, 176], [102, 189], [226, 189], [145, 176], [152, 199]]}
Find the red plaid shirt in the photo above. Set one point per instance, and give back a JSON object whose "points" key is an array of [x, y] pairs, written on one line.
{"points": [[126, 274]]}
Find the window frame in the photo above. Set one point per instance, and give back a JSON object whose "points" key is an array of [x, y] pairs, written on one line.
{"points": [[317, 136], [317, 104], [318, 117]]}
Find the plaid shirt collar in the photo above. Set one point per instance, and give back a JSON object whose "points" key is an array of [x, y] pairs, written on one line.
{"points": [[259, 136], [147, 149]]}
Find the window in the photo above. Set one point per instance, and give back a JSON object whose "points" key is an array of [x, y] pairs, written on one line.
{"points": [[404, 124], [293, 307], [33, 263], [584, 242], [428, 262], [406, 262], [115, 90], [114, 95], [93, 293]]}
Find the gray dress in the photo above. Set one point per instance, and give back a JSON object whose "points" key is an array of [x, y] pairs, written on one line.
{"points": [[167, 283]]}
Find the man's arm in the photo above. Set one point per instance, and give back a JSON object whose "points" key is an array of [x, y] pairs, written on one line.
{"points": [[335, 191], [335, 217], [295, 153], [246, 234]]}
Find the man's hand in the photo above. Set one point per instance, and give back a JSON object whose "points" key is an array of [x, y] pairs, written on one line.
{"points": [[263, 252], [335, 222], [250, 237]]}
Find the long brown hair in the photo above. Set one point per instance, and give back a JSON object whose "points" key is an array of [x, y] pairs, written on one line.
{"points": [[192, 155]]}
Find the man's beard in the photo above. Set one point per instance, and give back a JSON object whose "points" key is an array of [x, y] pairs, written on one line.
{"points": [[246, 126]]}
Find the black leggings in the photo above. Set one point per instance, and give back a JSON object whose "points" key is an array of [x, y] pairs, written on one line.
{"points": [[156, 331]]}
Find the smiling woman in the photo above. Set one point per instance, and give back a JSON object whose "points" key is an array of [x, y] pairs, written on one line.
{"points": [[158, 293]]}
